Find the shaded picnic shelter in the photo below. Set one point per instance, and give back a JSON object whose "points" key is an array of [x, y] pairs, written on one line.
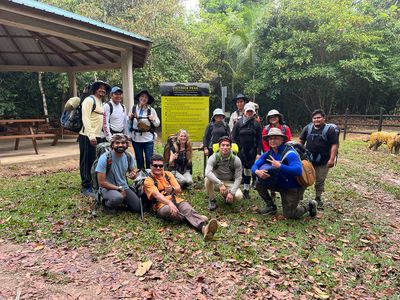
{"points": [[36, 37]]}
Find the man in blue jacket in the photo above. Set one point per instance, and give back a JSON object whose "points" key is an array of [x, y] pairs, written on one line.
{"points": [[277, 170]]}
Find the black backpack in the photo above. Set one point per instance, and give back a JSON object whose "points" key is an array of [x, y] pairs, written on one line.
{"points": [[72, 119], [112, 107]]}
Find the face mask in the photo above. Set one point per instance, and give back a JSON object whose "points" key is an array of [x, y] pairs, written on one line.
{"points": [[120, 149]]}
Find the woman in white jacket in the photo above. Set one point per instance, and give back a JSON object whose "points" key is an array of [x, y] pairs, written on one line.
{"points": [[143, 121]]}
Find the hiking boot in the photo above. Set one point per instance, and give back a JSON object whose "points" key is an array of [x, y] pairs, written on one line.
{"points": [[268, 210], [312, 208], [246, 194], [209, 230], [88, 192], [320, 203], [212, 205]]}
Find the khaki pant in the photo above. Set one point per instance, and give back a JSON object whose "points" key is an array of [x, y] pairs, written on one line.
{"points": [[186, 213], [211, 188], [321, 173]]}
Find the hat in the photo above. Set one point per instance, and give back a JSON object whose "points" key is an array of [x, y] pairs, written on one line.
{"points": [[218, 112], [276, 132], [116, 89], [240, 96], [96, 85], [274, 112], [249, 106], [151, 98], [256, 106]]}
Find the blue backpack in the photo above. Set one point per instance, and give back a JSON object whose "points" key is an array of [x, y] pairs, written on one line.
{"points": [[72, 119]]}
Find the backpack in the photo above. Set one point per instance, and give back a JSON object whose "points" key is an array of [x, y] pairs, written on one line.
{"points": [[72, 119], [112, 107], [168, 147], [218, 158], [152, 127], [323, 135], [247, 132], [100, 150], [308, 175]]}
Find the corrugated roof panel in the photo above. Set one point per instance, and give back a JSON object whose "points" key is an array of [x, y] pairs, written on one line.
{"points": [[6, 45], [17, 31], [67, 14]]}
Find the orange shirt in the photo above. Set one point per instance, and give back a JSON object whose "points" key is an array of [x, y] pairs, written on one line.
{"points": [[162, 183]]}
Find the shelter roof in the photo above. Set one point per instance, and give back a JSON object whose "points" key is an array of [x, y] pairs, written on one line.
{"points": [[38, 37]]}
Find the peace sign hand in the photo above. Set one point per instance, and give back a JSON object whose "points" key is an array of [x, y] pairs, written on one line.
{"points": [[275, 163]]}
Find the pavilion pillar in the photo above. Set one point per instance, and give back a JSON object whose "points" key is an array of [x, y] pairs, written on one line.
{"points": [[127, 77], [73, 90]]}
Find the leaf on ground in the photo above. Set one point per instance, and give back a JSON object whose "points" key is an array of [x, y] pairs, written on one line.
{"points": [[320, 293], [38, 247], [143, 268], [223, 224]]}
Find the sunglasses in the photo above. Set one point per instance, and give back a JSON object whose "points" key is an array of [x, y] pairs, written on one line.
{"points": [[157, 166]]}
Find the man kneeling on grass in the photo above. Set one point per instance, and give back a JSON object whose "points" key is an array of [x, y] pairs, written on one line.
{"points": [[162, 187], [283, 167]]}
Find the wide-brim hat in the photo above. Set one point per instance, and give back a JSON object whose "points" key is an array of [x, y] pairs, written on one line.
{"points": [[276, 132], [274, 112], [240, 96], [151, 98], [96, 84]]}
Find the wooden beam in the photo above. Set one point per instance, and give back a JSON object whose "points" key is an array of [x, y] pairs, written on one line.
{"points": [[43, 53], [15, 44], [58, 69], [63, 54], [83, 52], [101, 52]]}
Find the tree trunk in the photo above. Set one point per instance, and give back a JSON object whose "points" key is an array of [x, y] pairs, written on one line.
{"points": [[45, 111]]}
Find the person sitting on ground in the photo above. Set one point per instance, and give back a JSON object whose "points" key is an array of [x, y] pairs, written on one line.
{"points": [[274, 120], [115, 117], [224, 174], [285, 166], [180, 159], [247, 134], [113, 184], [215, 129], [162, 188], [322, 144]]}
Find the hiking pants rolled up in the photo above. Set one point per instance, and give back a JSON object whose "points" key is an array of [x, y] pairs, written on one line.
{"points": [[87, 156], [186, 213], [290, 203], [321, 172], [113, 198], [147, 148], [184, 179], [212, 188]]}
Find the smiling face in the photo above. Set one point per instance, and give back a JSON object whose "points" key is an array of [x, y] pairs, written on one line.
{"points": [[275, 141], [318, 120], [273, 120], [116, 97], [249, 113], [182, 138], [101, 91], [218, 118], [225, 148], [157, 167], [143, 99], [240, 104]]}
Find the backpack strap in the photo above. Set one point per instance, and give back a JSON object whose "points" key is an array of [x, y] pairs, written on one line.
{"points": [[94, 103], [284, 129], [111, 107], [288, 150]]}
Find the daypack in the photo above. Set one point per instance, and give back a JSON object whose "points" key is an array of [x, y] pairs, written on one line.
{"points": [[112, 107], [247, 133], [168, 147], [101, 149], [140, 128], [308, 175], [71, 119], [323, 135], [218, 158]]}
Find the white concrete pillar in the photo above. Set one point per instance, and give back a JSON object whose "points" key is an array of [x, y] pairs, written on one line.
{"points": [[73, 90], [127, 77]]}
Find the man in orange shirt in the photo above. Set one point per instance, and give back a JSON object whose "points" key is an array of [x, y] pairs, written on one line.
{"points": [[162, 187]]}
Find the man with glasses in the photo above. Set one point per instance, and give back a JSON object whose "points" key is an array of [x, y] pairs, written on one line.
{"points": [[162, 188]]}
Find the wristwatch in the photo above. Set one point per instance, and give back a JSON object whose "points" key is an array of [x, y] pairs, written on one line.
{"points": [[120, 189]]}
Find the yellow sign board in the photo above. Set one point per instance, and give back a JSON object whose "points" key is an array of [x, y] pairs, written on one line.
{"points": [[184, 112]]}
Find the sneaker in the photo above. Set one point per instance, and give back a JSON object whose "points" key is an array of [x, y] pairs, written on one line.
{"points": [[268, 210], [320, 203], [212, 205], [246, 194], [210, 229], [88, 192], [312, 208]]}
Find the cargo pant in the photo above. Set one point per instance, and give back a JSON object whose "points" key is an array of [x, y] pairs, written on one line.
{"points": [[321, 173]]}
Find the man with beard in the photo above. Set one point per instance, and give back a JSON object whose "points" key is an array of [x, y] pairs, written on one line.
{"points": [[247, 134], [90, 134], [113, 184]]}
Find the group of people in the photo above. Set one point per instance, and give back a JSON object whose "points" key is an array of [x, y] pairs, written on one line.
{"points": [[237, 153]]}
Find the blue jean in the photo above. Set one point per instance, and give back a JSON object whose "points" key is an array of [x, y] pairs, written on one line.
{"points": [[139, 148]]}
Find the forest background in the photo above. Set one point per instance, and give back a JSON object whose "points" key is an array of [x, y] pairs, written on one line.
{"points": [[291, 55]]}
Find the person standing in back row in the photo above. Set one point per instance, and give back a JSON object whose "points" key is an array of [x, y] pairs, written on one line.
{"points": [[274, 120], [115, 117], [90, 134], [215, 129], [240, 100], [322, 144], [247, 134], [143, 122]]}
